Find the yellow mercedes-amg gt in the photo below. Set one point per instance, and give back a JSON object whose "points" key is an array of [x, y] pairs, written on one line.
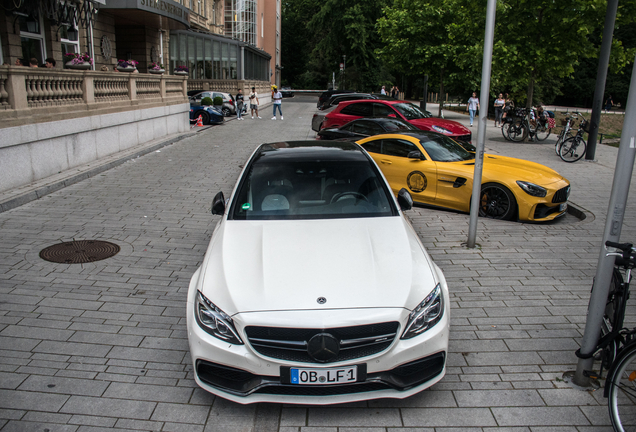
{"points": [[439, 172]]}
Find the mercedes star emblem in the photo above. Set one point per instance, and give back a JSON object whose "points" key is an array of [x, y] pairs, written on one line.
{"points": [[323, 347]]}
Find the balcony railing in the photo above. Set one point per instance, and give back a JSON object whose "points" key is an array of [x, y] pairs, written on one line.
{"points": [[29, 95]]}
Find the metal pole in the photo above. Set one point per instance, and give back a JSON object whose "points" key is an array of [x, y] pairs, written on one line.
{"points": [[601, 76], [425, 97], [483, 122], [613, 226]]}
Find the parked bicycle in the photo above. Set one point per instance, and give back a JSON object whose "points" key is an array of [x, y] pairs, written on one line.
{"points": [[573, 148], [529, 124], [566, 132], [616, 348]]}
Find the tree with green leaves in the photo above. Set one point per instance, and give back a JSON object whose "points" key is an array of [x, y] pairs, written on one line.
{"points": [[434, 37]]}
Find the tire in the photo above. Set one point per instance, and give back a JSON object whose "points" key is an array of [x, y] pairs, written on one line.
{"points": [[497, 202], [613, 316], [613, 305], [205, 117], [517, 131], [226, 112], [621, 398], [572, 149], [504, 131], [557, 146], [542, 131]]}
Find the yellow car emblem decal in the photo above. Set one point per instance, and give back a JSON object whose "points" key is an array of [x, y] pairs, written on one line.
{"points": [[416, 181]]}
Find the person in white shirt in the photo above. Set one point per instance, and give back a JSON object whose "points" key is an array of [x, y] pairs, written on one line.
{"points": [[277, 97], [472, 107], [499, 105], [253, 97], [383, 91]]}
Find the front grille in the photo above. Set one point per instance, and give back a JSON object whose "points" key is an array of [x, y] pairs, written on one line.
{"points": [[561, 195], [290, 344], [543, 211], [464, 138]]}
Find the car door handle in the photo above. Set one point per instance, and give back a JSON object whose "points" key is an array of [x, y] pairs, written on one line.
{"points": [[385, 161]]}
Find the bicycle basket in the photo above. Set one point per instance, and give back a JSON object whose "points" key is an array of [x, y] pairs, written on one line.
{"points": [[564, 121], [585, 125]]}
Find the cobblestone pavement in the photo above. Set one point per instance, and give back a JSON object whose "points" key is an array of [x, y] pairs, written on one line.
{"points": [[103, 346]]}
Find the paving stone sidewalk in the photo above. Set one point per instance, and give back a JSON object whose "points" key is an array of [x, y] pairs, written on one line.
{"points": [[103, 346]]}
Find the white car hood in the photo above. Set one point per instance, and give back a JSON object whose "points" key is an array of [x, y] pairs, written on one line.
{"points": [[254, 266]]}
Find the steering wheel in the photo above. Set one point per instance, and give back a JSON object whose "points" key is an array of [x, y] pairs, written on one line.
{"points": [[339, 196]]}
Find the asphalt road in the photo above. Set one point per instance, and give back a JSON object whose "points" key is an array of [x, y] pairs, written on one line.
{"points": [[103, 346]]}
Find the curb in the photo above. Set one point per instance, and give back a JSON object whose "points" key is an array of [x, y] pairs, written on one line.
{"points": [[36, 191]]}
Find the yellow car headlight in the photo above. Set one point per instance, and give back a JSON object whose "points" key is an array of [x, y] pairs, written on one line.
{"points": [[532, 189]]}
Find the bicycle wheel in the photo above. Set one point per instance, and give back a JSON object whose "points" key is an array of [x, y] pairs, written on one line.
{"points": [[504, 131], [543, 131], [572, 149], [621, 398], [612, 317], [517, 132]]}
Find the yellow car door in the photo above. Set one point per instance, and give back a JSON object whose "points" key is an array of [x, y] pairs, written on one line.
{"points": [[418, 176]]}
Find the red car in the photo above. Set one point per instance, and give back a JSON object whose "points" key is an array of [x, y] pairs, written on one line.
{"points": [[351, 110]]}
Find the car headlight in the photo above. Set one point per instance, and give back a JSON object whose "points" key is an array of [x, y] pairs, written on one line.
{"points": [[214, 321], [426, 314], [532, 189], [441, 130]]}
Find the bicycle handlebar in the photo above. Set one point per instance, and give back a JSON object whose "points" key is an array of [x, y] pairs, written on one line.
{"points": [[628, 258]]}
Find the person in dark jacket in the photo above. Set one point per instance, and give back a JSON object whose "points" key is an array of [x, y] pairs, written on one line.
{"points": [[239, 105]]}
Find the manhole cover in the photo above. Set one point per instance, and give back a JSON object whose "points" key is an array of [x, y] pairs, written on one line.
{"points": [[79, 252]]}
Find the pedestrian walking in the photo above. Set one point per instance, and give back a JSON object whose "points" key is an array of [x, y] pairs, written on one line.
{"points": [[508, 105], [609, 103], [383, 91], [499, 105], [395, 92], [239, 105], [472, 107], [277, 97], [254, 102]]}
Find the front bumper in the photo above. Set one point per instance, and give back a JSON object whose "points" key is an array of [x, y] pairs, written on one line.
{"points": [[241, 374], [551, 207]]}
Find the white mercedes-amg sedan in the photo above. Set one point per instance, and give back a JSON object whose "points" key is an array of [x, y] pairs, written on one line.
{"points": [[314, 288]]}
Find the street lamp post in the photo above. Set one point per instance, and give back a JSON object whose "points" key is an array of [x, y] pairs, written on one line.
{"points": [[344, 70]]}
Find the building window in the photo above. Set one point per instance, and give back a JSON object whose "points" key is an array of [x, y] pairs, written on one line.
{"points": [[69, 39], [32, 38], [240, 20]]}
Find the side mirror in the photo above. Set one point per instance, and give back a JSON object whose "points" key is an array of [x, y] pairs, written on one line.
{"points": [[416, 155], [405, 200], [218, 204]]}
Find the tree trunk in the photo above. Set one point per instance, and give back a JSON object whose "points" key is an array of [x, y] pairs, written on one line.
{"points": [[441, 92], [530, 93]]}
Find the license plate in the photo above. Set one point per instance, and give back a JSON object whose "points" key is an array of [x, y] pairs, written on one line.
{"points": [[563, 206], [324, 376]]}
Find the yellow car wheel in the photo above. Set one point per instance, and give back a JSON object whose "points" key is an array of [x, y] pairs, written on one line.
{"points": [[497, 202]]}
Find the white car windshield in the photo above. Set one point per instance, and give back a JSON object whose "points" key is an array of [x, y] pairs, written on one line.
{"points": [[287, 182]]}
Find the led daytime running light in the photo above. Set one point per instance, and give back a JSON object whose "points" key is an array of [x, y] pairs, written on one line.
{"points": [[214, 321], [426, 314]]}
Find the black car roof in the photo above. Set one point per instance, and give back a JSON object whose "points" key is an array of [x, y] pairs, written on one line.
{"points": [[311, 151]]}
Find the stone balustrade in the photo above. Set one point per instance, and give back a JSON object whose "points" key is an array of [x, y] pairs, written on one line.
{"points": [[29, 95], [230, 86]]}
